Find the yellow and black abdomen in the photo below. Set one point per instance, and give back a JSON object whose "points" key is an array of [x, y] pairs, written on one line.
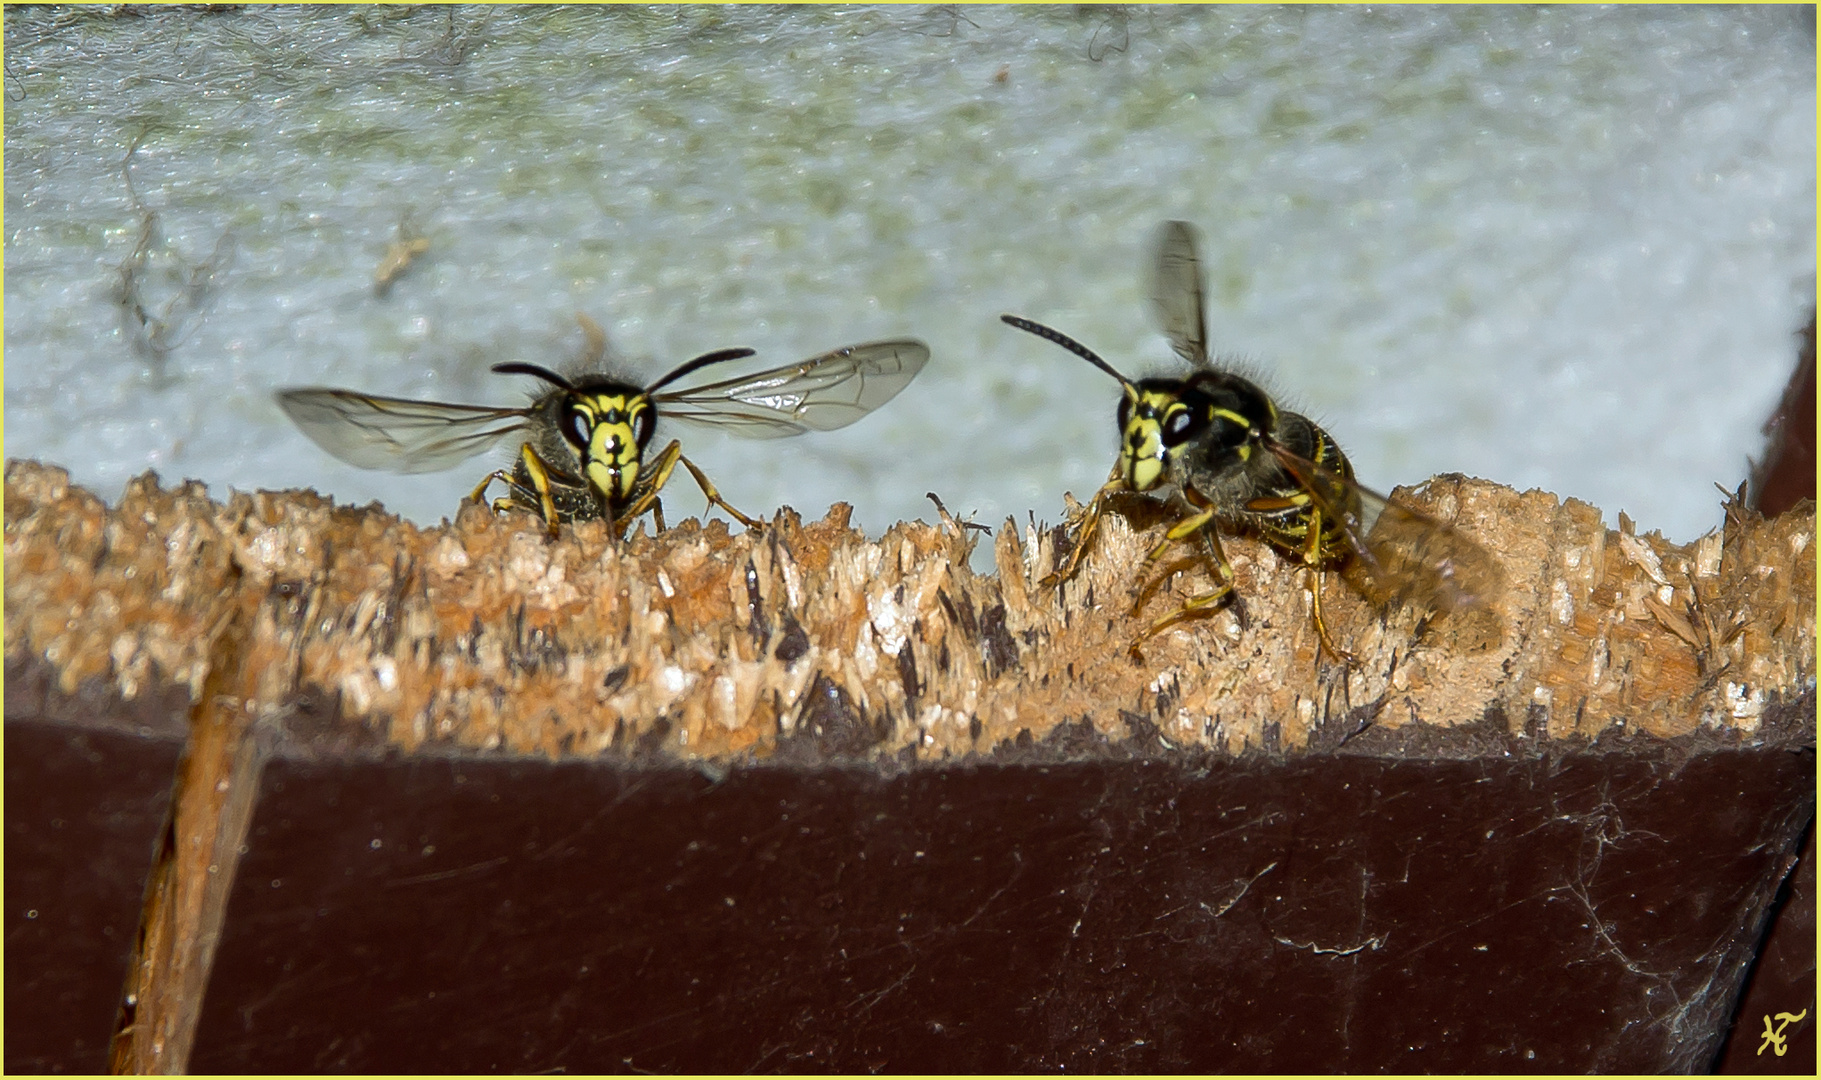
{"points": [[1287, 507]]}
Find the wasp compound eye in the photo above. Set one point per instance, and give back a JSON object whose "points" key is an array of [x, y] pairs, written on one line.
{"points": [[1178, 428], [575, 427], [642, 422]]}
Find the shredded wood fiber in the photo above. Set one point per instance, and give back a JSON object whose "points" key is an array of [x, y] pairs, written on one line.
{"points": [[355, 626]]}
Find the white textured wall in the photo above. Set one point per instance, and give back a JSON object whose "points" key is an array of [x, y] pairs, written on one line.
{"points": [[1564, 248]]}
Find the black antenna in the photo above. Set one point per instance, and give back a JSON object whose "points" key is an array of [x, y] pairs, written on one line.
{"points": [[697, 364], [1066, 342], [518, 368]]}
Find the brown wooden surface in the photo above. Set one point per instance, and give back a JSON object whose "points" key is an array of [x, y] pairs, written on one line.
{"points": [[305, 633], [486, 636]]}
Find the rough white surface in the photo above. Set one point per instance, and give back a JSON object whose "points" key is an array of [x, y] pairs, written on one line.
{"points": [[1564, 248]]}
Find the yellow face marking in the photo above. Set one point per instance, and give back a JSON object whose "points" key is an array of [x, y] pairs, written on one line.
{"points": [[1142, 455], [612, 459]]}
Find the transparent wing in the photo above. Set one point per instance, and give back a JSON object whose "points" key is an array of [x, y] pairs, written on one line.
{"points": [[821, 394], [1402, 554], [1176, 292], [396, 434]]}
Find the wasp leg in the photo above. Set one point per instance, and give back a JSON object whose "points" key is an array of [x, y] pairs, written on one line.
{"points": [[1223, 593], [517, 497], [1217, 556], [1143, 594], [540, 489], [1179, 530], [540, 482], [1182, 528], [1311, 561], [1084, 535], [648, 487], [487, 482], [660, 475], [1321, 627], [1196, 522], [1195, 606], [714, 496]]}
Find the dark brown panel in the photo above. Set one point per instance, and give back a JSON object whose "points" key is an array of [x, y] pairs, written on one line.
{"points": [[1782, 986], [84, 806], [1564, 913], [1782, 980]]}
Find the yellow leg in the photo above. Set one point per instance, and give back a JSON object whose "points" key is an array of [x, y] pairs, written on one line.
{"points": [[540, 482], [487, 482], [650, 484], [1195, 606], [1223, 575], [1321, 627], [1084, 536], [1218, 556], [660, 475], [1186, 527], [714, 497], [540, 487], [1312, 562]]}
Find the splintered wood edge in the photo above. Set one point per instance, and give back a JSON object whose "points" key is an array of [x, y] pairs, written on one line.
{"points": [[359, 630]]}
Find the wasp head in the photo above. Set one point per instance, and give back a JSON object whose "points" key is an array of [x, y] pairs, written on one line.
{"points": [[608, 427], [1220, 416]]}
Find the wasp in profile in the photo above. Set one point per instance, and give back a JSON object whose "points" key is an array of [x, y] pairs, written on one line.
{"points": [[1236, 460], [586, 435]]}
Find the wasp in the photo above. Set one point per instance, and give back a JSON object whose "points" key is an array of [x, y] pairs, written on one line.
{"points": [[1221, 447], [586, 435]]}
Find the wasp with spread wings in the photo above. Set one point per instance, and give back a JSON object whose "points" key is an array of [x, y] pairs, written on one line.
{"points": [[1238, 460], [585, 437]]}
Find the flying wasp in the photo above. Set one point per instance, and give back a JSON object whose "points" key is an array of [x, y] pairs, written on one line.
{"points": [[586, 435], [1238, 461]]}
